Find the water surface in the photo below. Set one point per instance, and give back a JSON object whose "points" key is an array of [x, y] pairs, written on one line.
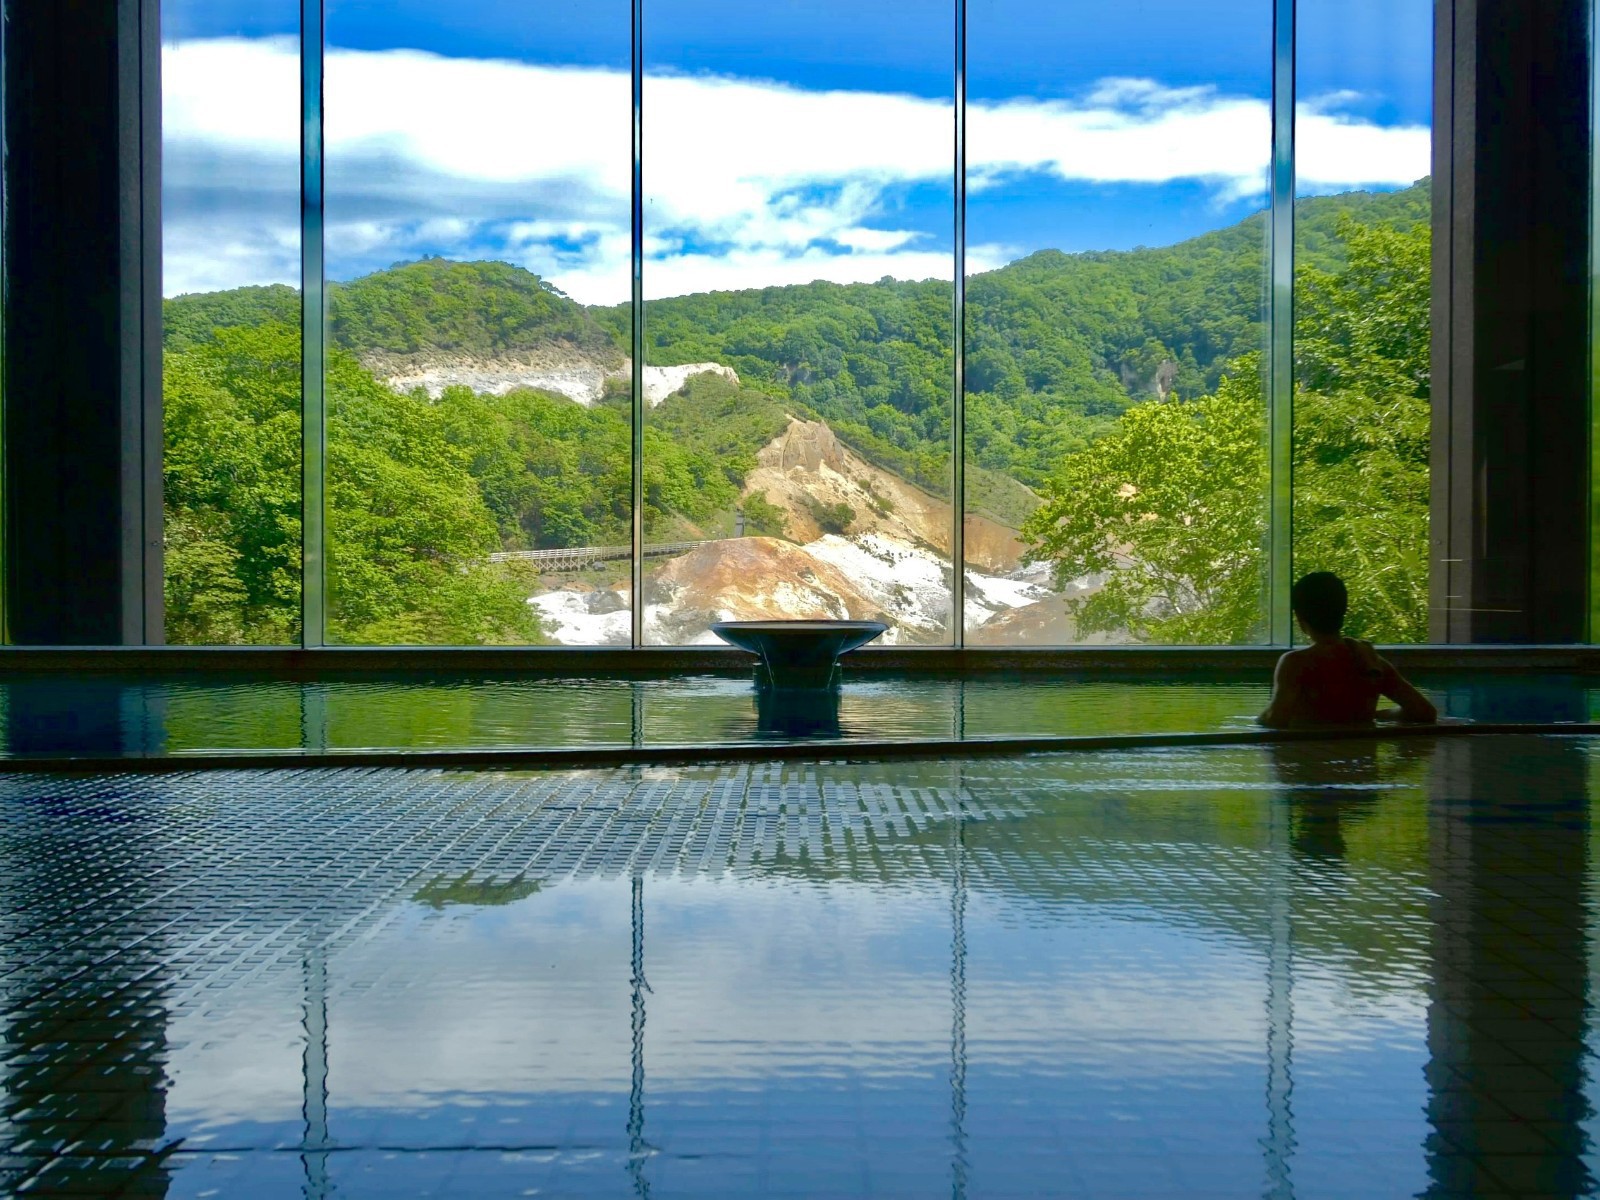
{"points": [[1310, 971], [186, 714]]}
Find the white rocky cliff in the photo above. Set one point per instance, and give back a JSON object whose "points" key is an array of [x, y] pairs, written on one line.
{"points": [[549, 369]]}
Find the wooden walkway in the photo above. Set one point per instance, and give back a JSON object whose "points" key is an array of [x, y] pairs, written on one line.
{"points": [[574, 557]]}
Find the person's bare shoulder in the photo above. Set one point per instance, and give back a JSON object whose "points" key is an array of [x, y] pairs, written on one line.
{"points": [[1292, 663]]}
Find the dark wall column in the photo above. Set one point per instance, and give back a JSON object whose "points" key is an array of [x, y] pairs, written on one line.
{"points": [[1510, 537], [82, 322]]}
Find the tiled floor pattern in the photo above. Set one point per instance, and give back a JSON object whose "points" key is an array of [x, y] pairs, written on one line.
{"points": [[1411, 928]]}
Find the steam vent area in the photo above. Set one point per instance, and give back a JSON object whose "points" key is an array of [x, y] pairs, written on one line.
{"points": [[726, 599]]}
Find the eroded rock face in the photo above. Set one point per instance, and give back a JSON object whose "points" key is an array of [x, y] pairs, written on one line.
{"points": [[1046, 622], [568, 373], [750, 579], [865, 576], [661, 382], [991, 546], [555, 368], [807, 465]]}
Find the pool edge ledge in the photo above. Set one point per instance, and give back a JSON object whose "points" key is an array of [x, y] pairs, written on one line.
{"points": [[601, 757]]}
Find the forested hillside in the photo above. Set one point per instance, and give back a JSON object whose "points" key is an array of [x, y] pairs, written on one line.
{"points": [[421, 489]]}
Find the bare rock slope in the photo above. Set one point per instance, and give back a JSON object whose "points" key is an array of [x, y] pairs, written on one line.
{"points": [[807, 466]]}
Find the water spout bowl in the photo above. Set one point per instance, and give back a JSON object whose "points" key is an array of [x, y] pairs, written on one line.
{"points": [[798, 655]]}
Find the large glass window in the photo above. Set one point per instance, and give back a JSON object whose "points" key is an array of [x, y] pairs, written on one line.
{"points": [[799, 352], [1117, 474], [799, 369], [231, 336], [478, 251], [1363, 306]]}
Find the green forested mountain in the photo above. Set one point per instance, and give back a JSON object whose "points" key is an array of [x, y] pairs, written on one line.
{"points": [[1059, 348], [433, 306], [1056, 343], [441, 307]]}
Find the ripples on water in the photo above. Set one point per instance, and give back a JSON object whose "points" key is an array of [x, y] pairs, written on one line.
{"points": [[1315, 971]]}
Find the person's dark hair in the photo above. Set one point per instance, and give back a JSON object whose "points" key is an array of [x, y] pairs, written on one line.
{"points": [[1320, 600]]}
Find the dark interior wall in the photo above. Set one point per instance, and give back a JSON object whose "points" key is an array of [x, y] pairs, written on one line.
{"points": [[82, 396], [1510, 534]]}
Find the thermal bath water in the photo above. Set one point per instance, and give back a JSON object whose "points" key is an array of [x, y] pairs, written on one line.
{"points": [[1307, 971], [52, 714]]}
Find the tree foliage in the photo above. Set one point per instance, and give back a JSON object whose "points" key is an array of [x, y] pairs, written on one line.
{"points": [[1169, 508], [408, 532], [1362, 414], [1169, 505]]}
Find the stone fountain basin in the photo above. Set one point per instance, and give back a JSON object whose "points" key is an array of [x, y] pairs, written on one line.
{"points": [[799, 654]]}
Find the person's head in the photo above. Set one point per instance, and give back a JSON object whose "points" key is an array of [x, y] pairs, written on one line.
{"points": [[1320, 600]]}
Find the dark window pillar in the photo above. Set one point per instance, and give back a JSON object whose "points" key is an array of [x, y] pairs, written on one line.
{"points": [[1510, 529], [82, 322]]}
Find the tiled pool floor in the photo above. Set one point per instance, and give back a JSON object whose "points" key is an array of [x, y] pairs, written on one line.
{"points": [[1311, 970]]}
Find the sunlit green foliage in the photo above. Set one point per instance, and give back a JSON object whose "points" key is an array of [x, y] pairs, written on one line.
{"points": [[232, 482], [408, 532], [552, 472], [831, 518], [1362, 340], [1058, 345], [1170, 508], [723, 421], [1169, 505], [763, 517]]}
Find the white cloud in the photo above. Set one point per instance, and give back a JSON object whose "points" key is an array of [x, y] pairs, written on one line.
{"points": [[1126, 131], [748, 182], [1335, 151]]}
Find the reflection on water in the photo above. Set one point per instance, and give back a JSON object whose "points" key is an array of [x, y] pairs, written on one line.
{"points": [[1227, 971], [797, 714], [58, 714]]}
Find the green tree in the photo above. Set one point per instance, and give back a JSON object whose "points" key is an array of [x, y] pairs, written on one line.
{"points": [[764, 517], [232, 485], [1168, 508], [1362, 416], [831, 518], [409, 535], [408, 531]]}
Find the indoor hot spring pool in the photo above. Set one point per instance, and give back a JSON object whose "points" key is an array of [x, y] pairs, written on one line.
{"points": [[1316, 969], [464, 718]]}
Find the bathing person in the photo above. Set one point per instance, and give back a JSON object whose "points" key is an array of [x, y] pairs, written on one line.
{"points": [[1335, 680]]}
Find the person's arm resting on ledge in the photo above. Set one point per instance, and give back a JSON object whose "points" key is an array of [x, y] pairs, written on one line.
{"points": [[1415, 708]]}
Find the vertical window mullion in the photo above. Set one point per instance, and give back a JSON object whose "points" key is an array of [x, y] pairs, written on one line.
{"points": [[958, 397], [313, 331], [637, 440], [1280, 423]]}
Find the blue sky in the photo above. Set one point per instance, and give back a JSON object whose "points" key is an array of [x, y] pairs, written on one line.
{"points": [[786, 140]]}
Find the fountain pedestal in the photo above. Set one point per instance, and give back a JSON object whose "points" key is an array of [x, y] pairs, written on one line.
{"points": [[798, 655]]}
